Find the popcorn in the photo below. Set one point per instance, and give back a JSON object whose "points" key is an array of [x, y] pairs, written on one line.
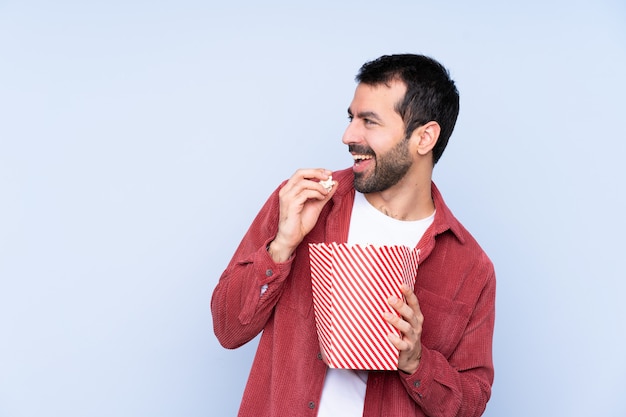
{"points": [[328, 184]]}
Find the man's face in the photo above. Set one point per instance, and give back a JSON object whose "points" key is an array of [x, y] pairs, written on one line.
{"points": [[376, 137]]}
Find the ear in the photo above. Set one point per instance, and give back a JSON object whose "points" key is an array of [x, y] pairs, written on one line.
{"points": [[427, 136]]}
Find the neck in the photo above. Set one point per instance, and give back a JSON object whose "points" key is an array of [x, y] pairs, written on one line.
{"points": [[408, 200]]}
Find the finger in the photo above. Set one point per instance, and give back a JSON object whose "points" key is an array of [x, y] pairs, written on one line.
{"points": [[401, 307], [304, 190], [411, 300], [398, 342], [310, 194], [310, 180], [401, 325], [312, 173], [409, 295], [320, 179]]}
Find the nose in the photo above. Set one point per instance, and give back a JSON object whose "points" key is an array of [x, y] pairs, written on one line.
{"points": [[351, 134]]}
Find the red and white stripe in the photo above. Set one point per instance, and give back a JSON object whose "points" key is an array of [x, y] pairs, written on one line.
{"points": [[351, 285]]}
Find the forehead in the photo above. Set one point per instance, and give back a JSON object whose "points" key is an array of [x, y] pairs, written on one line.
{"points": [[380, 98]]}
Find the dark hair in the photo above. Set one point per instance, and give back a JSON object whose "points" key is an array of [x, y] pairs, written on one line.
{"points": [[430, 95]]}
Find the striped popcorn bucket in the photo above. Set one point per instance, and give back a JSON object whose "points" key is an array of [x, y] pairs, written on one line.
{"points": [[351, 285]]}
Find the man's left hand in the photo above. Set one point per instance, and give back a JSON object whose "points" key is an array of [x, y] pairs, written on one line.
{"points": [[409, 324]]}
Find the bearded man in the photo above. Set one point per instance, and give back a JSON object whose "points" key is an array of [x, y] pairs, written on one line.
{"points": [[401, 117]]}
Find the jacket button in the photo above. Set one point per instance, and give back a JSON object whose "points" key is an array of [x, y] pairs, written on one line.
{"points": [[311, 405], [417, 384], [269, 273]]}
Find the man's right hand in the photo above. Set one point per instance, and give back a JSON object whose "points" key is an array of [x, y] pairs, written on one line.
{"points": [[301, 202]]}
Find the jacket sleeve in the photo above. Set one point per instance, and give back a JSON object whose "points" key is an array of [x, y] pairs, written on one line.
{"points": [[460, 385], [251, 284]]}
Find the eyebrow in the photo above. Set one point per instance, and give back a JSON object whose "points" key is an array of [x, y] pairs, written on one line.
{"points": [[365, 115]]}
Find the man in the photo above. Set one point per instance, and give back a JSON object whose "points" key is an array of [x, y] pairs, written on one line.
{"points": [[403, 112]]}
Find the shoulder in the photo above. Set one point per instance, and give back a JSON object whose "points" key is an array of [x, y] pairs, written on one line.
{"points": [[460, 242]]}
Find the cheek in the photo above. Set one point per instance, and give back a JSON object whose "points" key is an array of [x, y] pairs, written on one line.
{"points": [[382, 144], [379, 141]]}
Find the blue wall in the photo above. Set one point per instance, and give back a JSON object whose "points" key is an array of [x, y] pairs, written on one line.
{"points": [[138, 139]]}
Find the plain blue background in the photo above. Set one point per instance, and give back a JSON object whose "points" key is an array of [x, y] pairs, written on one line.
{"points": [[138, 139]]}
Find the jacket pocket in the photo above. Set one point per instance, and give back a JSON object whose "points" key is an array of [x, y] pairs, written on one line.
{"points": [[445, 321]]}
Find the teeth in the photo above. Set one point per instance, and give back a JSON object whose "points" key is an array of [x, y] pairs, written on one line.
{"points": [[361, 157]]}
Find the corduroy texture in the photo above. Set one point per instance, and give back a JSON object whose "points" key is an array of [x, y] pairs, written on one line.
{"points": [[455, 287]]}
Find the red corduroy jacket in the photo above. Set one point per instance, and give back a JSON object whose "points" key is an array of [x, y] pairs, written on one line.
{"points": [[455, 287]]}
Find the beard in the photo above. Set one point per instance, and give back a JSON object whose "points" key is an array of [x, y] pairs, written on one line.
{"points": [[389, 168]]}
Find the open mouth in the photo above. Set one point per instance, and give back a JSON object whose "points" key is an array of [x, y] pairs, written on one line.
{"points": [[362, 162], [360, 158]]}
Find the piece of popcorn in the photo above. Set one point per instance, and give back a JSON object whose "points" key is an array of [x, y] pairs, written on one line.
{"points": [[328, 184]]}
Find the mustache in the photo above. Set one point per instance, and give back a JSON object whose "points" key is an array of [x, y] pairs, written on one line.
{"points": [[361, 150]]}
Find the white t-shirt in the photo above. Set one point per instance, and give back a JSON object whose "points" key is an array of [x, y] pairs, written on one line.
{"points": [[344, 389]]}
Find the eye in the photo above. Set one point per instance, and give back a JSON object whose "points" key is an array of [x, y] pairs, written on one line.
{"points": [[350, 118], [369, 122]]}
